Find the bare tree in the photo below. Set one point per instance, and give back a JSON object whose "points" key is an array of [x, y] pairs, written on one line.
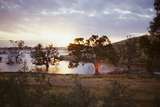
{"points": [[15, 52]]}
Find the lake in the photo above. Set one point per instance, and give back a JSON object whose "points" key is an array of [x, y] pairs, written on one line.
{"points": [[59, 68]]}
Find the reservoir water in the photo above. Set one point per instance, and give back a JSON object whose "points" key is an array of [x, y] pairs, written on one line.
{"points": [[59, 68]]}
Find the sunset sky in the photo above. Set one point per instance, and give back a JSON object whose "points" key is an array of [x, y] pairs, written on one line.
{"points": [[62, 20]]}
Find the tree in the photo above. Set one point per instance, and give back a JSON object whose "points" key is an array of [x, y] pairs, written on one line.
{"points": [[45, 56], [15, 52], [19, 44], [79, 40], [151, 44], [155, 24], [94, 50]]}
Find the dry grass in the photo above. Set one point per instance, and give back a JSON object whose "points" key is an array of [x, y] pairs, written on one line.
{"points": [[143, 88]]}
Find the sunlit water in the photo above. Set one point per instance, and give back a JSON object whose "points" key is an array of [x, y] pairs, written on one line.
{"points": [[59, 68]]}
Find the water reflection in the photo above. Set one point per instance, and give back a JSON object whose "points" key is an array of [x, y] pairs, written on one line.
{"points": [[59, 68], [62, 68], [82, 68]]}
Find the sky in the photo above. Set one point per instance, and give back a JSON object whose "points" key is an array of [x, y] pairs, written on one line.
{"points": [[61, 21]]}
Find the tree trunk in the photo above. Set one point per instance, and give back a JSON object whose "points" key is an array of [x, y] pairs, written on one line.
{"points": [[96, 65], [47, 66]]}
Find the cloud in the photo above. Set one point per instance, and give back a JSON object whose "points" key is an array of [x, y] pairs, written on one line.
{"points": [[84, 17], [122, 11], [61, 11]]}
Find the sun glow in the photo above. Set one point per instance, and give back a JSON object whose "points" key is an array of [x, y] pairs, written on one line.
{"points": [[58, 38], [60, 35], [60, 68]]}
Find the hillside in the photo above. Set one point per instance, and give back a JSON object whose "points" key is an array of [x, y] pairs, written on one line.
{"points": [[131, 53]]}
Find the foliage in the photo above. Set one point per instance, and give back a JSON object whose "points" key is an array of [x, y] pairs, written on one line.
{"points": [[15, 53], [151, 44], [45, 56], [92, 50], [155, 24], [38, 55], [19, 44]]}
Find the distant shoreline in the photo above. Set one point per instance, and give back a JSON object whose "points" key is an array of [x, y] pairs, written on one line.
{"points": [[29, 43]]}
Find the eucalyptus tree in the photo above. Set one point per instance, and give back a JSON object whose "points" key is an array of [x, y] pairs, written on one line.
{"points": [[94, 50], [155, 24], [45, 56], [151, 44]]}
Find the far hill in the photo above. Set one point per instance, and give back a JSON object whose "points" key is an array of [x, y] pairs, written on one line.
{"points": [[131, 53]]}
